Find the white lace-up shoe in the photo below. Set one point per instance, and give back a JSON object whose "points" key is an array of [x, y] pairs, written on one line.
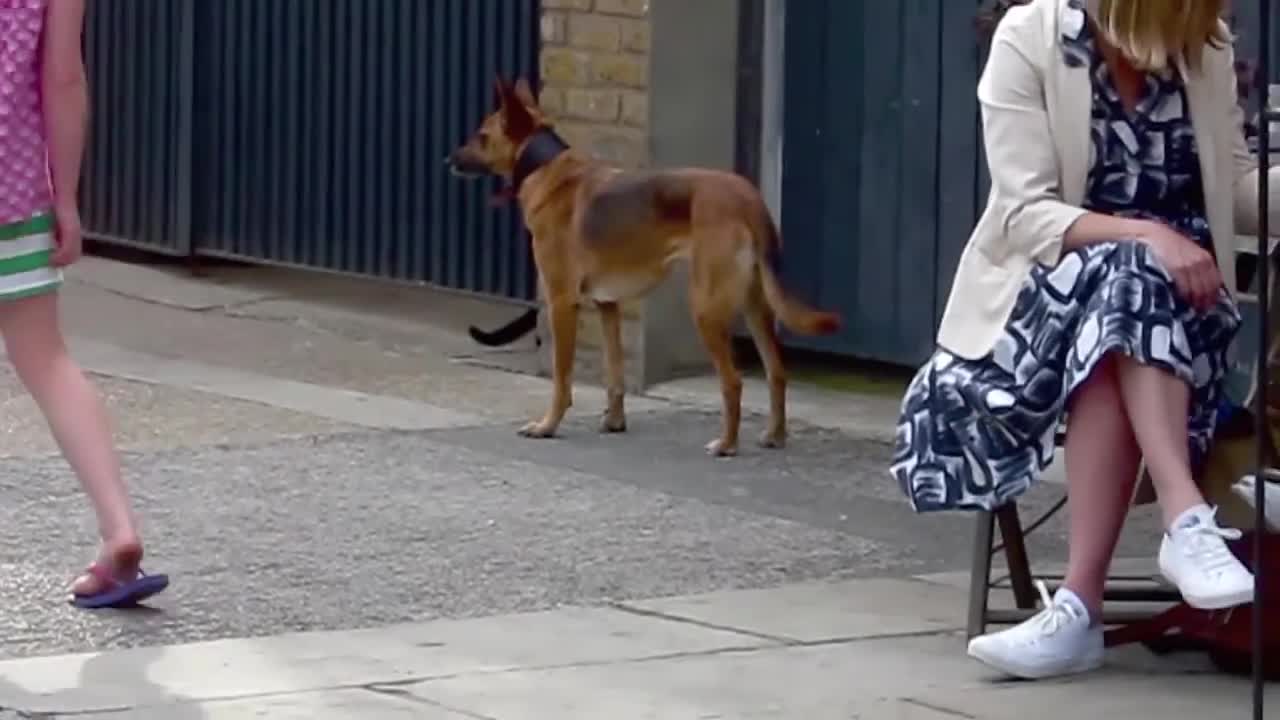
{"points": [[1194, 556], [1271, 499], [1059, 640]]}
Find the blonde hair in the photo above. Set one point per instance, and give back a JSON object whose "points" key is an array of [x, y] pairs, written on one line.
{"points": [[1157, 35]]}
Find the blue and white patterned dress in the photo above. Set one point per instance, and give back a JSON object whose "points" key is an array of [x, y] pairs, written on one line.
{"points": [[975, 434]]}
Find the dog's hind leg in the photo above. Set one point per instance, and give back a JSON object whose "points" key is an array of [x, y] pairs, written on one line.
{"points": [[615, 416], [713, 321], [760, 321]]}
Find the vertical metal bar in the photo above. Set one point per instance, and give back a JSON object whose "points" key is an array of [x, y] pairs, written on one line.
{"points": [[426, 165], [183, 99], [325, 71], [489, 41], [1260, 408], [441, 137], [394, 221]]}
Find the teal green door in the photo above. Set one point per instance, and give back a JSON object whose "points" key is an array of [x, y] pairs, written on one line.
{"points": [[881, 169]]}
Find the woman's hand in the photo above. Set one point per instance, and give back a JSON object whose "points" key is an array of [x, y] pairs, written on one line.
{"points": [[66, 236], [1192, 267]]}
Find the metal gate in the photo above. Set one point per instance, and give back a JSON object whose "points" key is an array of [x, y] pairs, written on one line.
{"points": [[136, 188], [307, 133], [881, 175]]}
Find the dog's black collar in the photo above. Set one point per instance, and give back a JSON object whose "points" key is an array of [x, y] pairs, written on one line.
{"points": [[543, 147]]}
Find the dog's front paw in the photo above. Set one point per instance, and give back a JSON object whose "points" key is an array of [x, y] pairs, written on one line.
{"points": [[720, 448], [538, 429], [773, 439]]}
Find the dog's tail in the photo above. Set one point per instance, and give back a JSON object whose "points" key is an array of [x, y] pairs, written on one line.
{"points": [[795, 315], [509, 333]]}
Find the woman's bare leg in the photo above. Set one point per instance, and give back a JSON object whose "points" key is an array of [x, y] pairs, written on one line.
{"points": [[1102, 465], [1193, 552], [1158, 403], [1102, 461], [78, 421]]}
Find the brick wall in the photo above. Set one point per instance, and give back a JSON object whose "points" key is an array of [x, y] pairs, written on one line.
{"points": [[595, 84], [595, 75]]}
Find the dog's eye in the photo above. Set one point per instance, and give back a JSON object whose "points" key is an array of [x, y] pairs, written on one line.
{"points": [[483, 138]]}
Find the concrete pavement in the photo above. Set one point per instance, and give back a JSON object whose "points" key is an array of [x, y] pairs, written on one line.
{"points": [[336, 459], [883, 649]]}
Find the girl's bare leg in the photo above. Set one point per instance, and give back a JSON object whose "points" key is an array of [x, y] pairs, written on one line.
{"points": [[78, 421]]}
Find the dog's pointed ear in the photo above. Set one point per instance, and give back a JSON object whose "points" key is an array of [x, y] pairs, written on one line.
{"points": [[524, 93], [517, 119]]}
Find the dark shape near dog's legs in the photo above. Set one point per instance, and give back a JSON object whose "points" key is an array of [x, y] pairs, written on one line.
{"points": [[509, 333]]}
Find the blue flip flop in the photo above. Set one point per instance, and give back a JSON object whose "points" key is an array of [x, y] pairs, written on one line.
{"points": [[116, 594]]}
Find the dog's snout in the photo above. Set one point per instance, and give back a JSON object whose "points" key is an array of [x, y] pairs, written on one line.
{"points": [[463, 162]]}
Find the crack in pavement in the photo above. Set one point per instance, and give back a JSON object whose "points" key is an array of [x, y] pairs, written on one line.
{"points": [[641, 612], [405, 695], [937, 708]]}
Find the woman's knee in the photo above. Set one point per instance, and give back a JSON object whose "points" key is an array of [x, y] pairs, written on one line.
{"points": [[1101, 386]]}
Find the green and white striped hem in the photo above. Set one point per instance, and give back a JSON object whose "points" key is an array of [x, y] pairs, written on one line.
{"points": [[26, 248]]}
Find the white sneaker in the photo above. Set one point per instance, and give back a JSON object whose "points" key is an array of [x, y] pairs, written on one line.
{"points": [[1059, 640], [1271, 499], [1194, 557]]}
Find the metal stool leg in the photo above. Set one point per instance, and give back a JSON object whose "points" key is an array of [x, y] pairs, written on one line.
{"points": [[980, 574], [1015, 551]]}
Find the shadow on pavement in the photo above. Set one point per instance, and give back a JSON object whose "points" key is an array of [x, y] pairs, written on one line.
{"points": [[105, 690]]}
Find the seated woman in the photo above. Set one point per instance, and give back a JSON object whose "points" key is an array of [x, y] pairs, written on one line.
{"points": [[1092, 286]]}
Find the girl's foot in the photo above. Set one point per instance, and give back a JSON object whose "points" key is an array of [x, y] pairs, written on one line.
{"points": [[118, 563]]}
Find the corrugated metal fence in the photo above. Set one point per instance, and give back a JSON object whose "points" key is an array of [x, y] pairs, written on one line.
{"points": [[306, 132], [137, 172]]}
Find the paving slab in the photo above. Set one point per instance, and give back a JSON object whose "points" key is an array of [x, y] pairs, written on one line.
{"points": [[162, 286], [830, 682], [823, 612], [354, 355], [324, 705], [1117, 694], [345, 405], [911, 678], [292, 663]]}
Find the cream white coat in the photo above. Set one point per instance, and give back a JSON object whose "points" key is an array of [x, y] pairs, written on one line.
{"points": [[1035, 116]]}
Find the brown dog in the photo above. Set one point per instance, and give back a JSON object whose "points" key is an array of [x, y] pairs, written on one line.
{"points": [[604, 236]]}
